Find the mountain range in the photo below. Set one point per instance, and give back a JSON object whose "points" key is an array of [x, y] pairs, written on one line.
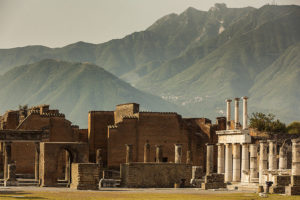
{"points": [[195, 59]]}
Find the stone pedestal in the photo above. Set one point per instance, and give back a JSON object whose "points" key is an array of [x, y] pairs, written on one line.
{"points": [[178, 153], [213, 181], [236, 167], [263, 161], [253, 162], [129, 156], [221, 159], [159, 153], [209, 158], [147, 153], [245, 163], [228, 163]]}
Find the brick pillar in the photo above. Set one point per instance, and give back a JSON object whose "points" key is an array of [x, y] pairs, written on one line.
{"points": [[178, 153], [228, 163], [209, 159], [129, 156], [37, 161], [159, 153], [7, 158], [221, 160], [147, 153], [236, 164]]}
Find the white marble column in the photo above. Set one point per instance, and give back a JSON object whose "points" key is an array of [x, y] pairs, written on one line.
{"points": [[253, 161], [236, 113], [245, 113], [245, 162], [263, 160], [283, 157], [228, 163], [221, 160], [228, 118], [178, 153], [236, 164], [272, 154], [295, 157], [209, 158]]}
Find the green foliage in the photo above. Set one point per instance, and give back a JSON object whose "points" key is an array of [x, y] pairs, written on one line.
{"points": [[263, 122], [294, 128]]}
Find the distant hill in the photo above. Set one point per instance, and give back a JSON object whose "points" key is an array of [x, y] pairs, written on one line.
{"points": [[74, 88], [196, 59]]}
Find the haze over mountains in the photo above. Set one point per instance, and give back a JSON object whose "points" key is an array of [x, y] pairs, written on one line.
{"points": [[195, 60]]}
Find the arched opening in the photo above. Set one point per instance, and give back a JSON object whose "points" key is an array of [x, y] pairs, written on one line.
{"points": [[65, 160]]}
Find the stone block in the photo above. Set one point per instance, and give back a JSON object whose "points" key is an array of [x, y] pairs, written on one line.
{"points": [[207, 186], [292, 190], [85, 176]]}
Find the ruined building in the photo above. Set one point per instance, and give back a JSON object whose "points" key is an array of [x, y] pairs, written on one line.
{"points": [[40, 143]]}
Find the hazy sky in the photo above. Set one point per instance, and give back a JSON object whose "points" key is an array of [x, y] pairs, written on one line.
{"points": [[56, 23]]}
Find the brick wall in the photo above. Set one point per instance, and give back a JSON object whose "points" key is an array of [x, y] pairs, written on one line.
{"points": [[85, 176]]}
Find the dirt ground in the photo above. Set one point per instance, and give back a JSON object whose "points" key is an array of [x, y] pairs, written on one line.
{"points": [[126, 194]]}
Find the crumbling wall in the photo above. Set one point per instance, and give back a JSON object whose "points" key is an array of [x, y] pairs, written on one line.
{"points": [[157, 175], [85, 176]]}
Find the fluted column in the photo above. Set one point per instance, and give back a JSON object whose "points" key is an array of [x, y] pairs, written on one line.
{"points": [[253, 161], [245, 161], [263, 160], [295, 157], [236, 164], [228, 163], [236, 113], [178, 153], [283, 158], [221, 159], [272, 154], [228, 118], [209, 158], [129, 156], [147, 153], [159, 153], [245, 113]]}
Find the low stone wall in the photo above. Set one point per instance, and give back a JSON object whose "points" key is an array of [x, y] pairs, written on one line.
{"points": [[214, 181], [280, 182], [156, 175], [85, 176]]}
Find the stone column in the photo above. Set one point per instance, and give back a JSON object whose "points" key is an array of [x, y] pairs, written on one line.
{"points": [[146, 152], [228, 163], [37, 161], [236, 164], [236, 113], [178, 153], [68, 166], [159, 153], [129, 153], [253, 162], [209, 158], [245, 113], [221, 160], [263, 160], [99, 159], [272, 154], [245, 162], [283, 158], [188, 157], [296, 157], [228, 101], [7, 158]]}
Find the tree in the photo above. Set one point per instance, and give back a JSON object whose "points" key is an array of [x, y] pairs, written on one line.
{"points": [[263, 122], [294, 128]]}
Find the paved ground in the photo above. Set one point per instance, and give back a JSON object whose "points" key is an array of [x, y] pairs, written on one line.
{"points": [[126, 193]]}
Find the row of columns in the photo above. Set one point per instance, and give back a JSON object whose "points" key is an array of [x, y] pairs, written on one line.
{"points": [[8, 165], [236, 113], [158, 153]]}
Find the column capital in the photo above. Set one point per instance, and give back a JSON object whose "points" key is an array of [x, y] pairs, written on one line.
{"points": [[228, 144], [220, 144], [177, 144], [245, 97], [158, 145], [262, 141], [296, 140], [237, 99], [274, 141], [209, 144], [228, 100]]}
